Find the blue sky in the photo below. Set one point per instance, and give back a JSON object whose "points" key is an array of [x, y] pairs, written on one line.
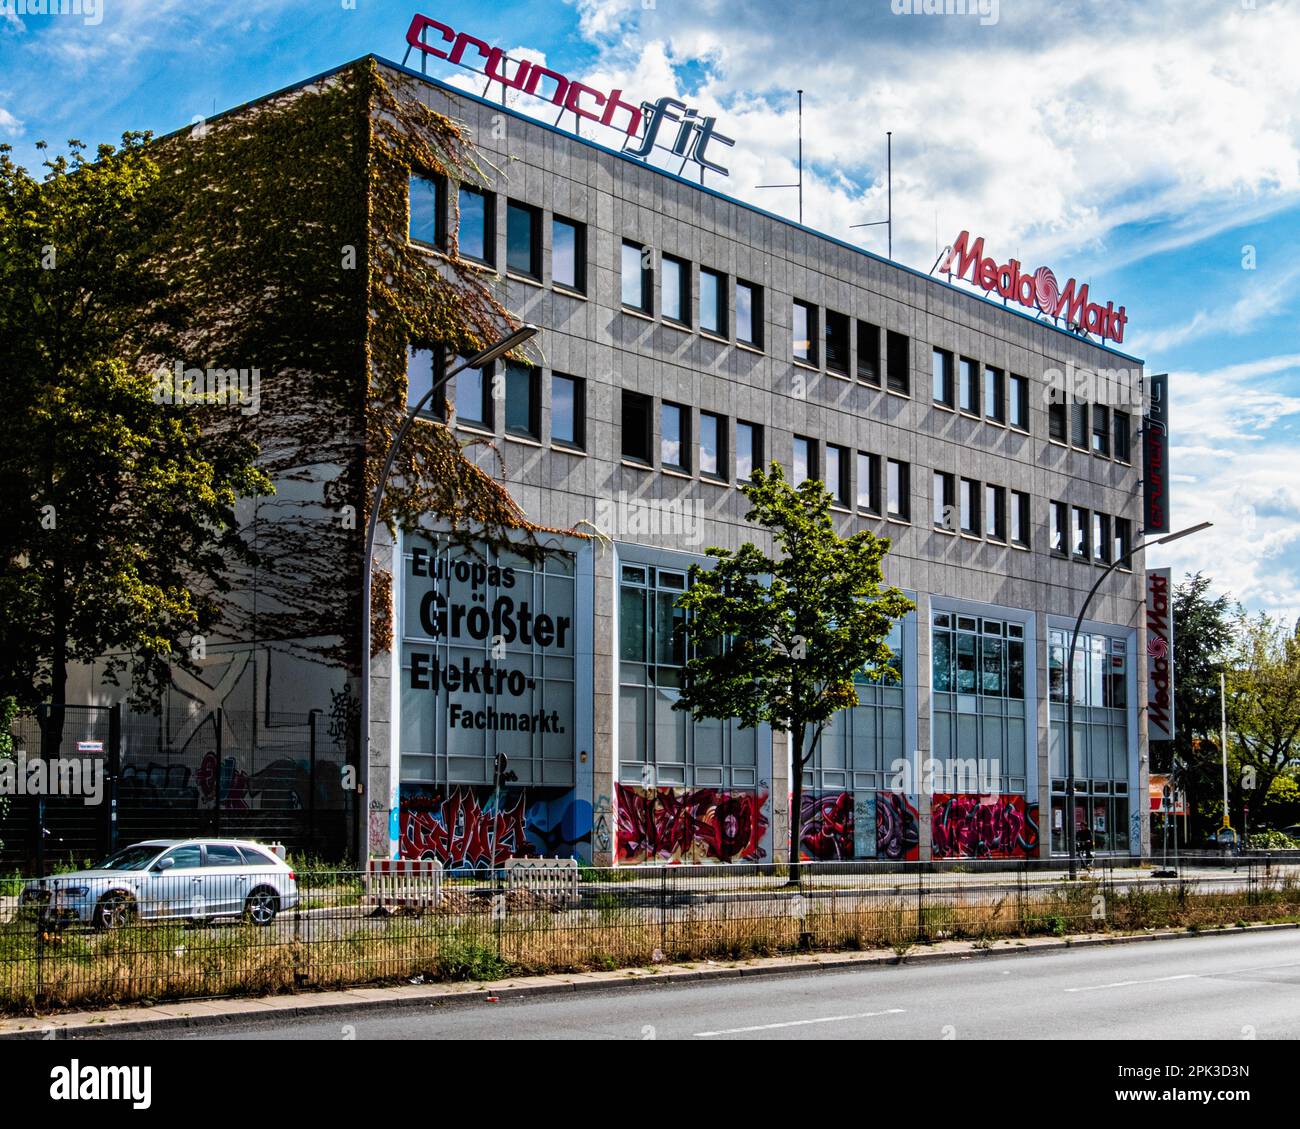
{"points": [[1152, 149]]}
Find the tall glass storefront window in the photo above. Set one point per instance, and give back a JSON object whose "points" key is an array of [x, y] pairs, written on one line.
{"points": [[1101, 756]]}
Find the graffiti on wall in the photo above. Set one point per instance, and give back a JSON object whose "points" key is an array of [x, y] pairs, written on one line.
{"points": [[826, 823], [839, 825], [690, 824], [983, 827], [898, 828]]}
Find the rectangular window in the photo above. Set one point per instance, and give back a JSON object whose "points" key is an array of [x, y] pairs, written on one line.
{"points": [[837, 343], [1123, 541], [420, 365], [897, 376], [428, 206], [1018, 401], [869, 353], [568, 411], [637, 427], [943, 391], [994, 405], [523, 239], [969, 384], [945, 501], [896, 485], [713, 445], [1060, 527], [474, 398], [523, 400], [969, 501], [675, 437], [749, 450], [1056, 421], [1079, 425], [868, 482], [1101, 430], [1123, 435], [1079, 529], [995, 513], [638, 278], [804, 334], [676, 298], [476, 235], [804, 463], [837, 474], [713, 302], [1101, 538], [1019, 514], [749, 314], [569, 254]]}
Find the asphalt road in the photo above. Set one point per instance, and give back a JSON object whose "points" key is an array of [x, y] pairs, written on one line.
{"points": [[1217, 987]]}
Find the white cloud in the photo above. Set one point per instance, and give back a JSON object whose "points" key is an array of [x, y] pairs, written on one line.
{"points": [[9, 124]]}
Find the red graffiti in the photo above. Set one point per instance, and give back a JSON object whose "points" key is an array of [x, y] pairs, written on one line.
{"points": [[983, 827], [898, 828], [689, 824], [459, 831], [826, 826], [233, 780]]}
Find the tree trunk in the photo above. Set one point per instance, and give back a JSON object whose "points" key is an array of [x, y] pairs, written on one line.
{"points": [[796, 798]]}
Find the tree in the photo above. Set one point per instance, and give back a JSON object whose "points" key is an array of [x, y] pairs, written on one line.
{"points": [[779, 640]]}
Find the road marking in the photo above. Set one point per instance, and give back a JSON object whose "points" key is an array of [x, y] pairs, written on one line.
{"points": [[1131, 983], [798, 1023]]}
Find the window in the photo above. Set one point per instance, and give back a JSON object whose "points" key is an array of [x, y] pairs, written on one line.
{"points": [[1019, 519], [868, 482], [223, 854], [970, 506], [1123, 434], [474, 398], [713, 302], [970, 385], [1101, 538], [749, 314], [1079, 425], [749, 450], [676, 290], [675, 437], [188, 857], [713, 445], [1056, 421], [945, 501], [896, 364], [869, 353], [896, 484], [1018, 401], [569, 411], [979, 657], [523, 239], [994, 405], [420, 364], [1060, 519], [523, 400], [1079, 525], [995, 513], [569, 254], [638, 279], [476, 235], [837, 474], [943, 377], [428, 205], [1101, 430], [804, 464], [1123, 541], [636, 427], [837, 343], [805, 333]]}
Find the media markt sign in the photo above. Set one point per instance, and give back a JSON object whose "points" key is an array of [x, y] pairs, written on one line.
{"points": [[1160, 655]]}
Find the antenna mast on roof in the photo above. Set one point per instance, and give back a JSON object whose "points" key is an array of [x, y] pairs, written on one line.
{"points": [[799, 183], [889, 223]]}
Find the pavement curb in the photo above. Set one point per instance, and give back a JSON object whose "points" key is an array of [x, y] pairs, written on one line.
{"points": [[228, 1011]]}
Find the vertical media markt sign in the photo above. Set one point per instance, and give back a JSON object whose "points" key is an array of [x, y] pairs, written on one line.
{"points": [[1155, 456], [1160, 655]]}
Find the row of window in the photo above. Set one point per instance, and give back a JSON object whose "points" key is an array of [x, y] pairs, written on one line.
{"points": [[1093, 427], [809, 346], [997, 396], [718, 298], [1089, 535], [963, 505]]}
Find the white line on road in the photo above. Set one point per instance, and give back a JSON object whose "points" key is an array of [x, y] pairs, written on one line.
{"points": [[1212, 973], [799, 1023], [1130, 983]]}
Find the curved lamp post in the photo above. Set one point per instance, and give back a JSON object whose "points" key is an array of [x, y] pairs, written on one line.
{"points": [[479, 360], [1069, 680]]}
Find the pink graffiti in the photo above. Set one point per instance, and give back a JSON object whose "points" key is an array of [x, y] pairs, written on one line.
{"points": [[967, 827], [689, 824], [461, 832]]}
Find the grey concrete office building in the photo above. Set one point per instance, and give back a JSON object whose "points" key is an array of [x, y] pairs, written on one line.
{"points": [[687, 338]]}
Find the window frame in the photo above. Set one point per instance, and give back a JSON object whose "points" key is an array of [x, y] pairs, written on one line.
{"points": [[872, 463], [945, 375], [720, 443], [995, 380], [489, 225], [579, 440], [534, 373], [839, 490], [904, 472], [755, 291], [970, 507], [755, 431], [633, 400], [995, 514], [439, 183], [534, 216], [1018, 402], [812, 464], [721, 308], [811, 359], [868, 343], [579, 284], [646, 308], [969, 387], [841, 324], [898, 363], [944, 485], [1019, 502], [683, 438]]}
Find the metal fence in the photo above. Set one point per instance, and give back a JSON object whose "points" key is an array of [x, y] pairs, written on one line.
{"points": [[175, 941]]}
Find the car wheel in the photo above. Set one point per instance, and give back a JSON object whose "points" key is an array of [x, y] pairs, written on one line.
{"points": [[113, 911], [262, 906]]}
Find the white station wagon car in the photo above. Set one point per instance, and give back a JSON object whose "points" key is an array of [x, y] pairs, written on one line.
{"points": [[192, 879]]}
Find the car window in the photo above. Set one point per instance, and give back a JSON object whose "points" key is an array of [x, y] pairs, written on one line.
{"points": [[130, 858], [223, 854], [256, 858], [185, 858]]}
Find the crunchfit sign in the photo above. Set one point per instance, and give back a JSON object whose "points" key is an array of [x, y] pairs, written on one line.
{"points": [[1160, 656], [639, 122], [1038, 290], [1155, 456]]}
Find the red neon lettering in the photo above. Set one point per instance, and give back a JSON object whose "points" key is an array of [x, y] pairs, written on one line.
{"points": [[576, 91], [415, 35]]}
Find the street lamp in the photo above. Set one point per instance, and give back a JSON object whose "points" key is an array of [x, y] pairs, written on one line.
{"points": [[1069, 680], [479, 360]]}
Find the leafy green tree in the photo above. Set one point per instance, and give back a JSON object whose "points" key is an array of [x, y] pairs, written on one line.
{"points": [[119, 511], [8, 707], [780, 638]]}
